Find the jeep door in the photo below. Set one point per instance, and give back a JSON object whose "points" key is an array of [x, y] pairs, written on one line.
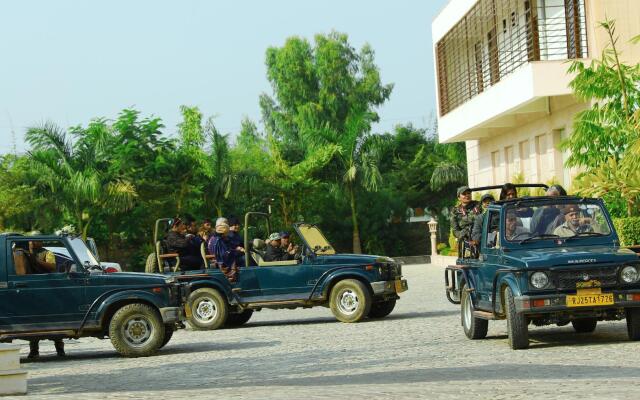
{"points": [[284, 278], [490, 259], [43, 300]]}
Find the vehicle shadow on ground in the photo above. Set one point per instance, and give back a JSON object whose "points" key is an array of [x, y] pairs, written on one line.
{"points": [[565, 336], [170, 349], [227, 376], [326, 320]]}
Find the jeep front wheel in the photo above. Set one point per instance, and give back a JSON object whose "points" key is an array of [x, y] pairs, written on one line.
{"points": [[474, 328], [633, 323], [350, 300], [516, 324], [209, 309], [136, 330], [381, 309]]}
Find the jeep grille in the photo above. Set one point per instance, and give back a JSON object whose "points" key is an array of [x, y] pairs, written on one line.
{"points": [[568, 279]]}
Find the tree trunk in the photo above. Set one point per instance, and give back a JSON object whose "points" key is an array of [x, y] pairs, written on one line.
{"points": [[630, 207], [285, 210], [357, 249]]}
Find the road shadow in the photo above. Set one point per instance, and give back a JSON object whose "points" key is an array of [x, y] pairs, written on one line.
{"points": [[169, 349], [193, 374], [566, 337]]}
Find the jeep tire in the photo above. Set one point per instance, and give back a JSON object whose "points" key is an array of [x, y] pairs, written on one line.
{"points": [[168, 333], [136, 330], [151, 265], [474, 328], [238, 319], [381, 309], [517, 328], [350, 300], [586, 325], [633, 323], [209, 309]]}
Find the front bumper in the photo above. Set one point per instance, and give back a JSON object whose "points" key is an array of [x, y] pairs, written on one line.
{"points": [[381, 288], [558, 302], [171, 315]]}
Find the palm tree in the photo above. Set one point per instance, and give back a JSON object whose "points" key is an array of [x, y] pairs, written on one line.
{"points": [[357, 155], [74, 172]]}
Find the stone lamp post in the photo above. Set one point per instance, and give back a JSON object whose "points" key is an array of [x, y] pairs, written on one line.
{"points": [[433, 229]]}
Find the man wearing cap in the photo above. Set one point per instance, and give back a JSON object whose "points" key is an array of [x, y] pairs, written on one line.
{"points": [[573, 224], [286, 245], [462, 218], [476, 232], [275, 252]]}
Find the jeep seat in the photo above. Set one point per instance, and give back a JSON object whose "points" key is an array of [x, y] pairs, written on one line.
{"points": [[169, 260], [257, 250], [21, 262]]}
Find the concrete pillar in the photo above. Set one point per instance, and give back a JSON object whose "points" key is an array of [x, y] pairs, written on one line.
{"points": [[12, 379], [433, 229]]}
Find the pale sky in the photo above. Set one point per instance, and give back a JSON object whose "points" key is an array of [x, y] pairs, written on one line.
{"points": [[70, 61]]}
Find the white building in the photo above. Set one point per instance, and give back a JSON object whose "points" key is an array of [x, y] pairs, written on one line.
{"points": [[502, 82]]}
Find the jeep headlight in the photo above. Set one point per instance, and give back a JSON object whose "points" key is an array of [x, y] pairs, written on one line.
{"points": [[539, 280], [629, 274]]}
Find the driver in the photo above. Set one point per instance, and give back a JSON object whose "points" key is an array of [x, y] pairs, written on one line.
{"points": [[287, 246], [573, 224], [512, 228], [45, 260]]}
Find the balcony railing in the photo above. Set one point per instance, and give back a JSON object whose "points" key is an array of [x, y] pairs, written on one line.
{"points": [[496, 37]]}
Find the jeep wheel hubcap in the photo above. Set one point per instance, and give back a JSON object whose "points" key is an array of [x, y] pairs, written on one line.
{"points": [[206, 310], [348, 302], [467, 312], [137, 330]]}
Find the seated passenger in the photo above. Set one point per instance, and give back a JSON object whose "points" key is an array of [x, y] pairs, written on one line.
{"points": [[289, 248], [42, 260], [573, 224], [509, 192], [178, 242], [476, 232], [543, 217], [275, 252], [227, 258], [512, 229]]}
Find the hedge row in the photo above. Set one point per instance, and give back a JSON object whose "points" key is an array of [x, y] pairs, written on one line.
{"points": [[628, 230]]}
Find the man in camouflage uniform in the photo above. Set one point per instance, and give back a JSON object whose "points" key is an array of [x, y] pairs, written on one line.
{"points": [[462, 218]]}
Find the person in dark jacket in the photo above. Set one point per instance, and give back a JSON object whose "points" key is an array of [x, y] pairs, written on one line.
{"points": [[275, 252], [227, 257], [463, 217], [178, 242], [476, 232]]}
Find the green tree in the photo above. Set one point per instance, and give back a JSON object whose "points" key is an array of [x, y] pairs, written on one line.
{"points": [[605, 139], [325, 95], [74, 171]]}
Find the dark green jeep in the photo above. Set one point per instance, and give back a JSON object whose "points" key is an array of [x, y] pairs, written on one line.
{"points": [[354, 286], [546, 260], [53, 287]]}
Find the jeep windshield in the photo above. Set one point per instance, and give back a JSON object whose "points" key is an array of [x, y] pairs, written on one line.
{"points": [[315, 239], [528, 221], [85, 256]]}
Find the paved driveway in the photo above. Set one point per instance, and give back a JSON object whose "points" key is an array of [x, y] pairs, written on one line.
{"points": [[418, 351]]}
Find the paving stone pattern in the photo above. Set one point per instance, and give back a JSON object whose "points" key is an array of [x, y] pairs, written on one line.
{"points": [[419, 351]]}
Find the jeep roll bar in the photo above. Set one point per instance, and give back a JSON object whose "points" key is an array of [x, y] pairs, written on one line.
{"points": [[517, 185], [247, 217]]}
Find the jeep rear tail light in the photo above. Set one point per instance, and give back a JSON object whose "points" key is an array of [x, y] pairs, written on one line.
{"points": [[110, 270]]}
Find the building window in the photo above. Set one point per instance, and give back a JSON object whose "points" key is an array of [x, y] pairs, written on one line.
{"points": [[524, 159], [495, 165], [508, 163], [496, 37], [541, 155]]}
